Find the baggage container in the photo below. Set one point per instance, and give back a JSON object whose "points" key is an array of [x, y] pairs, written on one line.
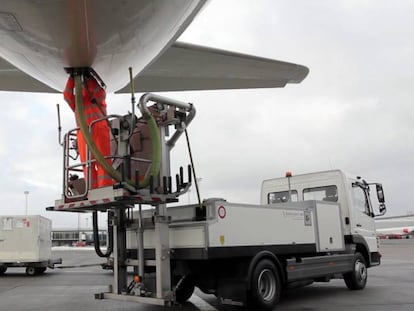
{"points": [[25, 241]]}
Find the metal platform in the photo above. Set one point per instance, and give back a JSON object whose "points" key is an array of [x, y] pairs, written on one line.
{"points": [[140, 167]]}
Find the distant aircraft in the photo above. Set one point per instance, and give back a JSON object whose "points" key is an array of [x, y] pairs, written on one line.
{"points": [[38, 39], [395, 227]]}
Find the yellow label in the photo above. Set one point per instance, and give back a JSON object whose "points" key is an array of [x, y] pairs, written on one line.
{"points": [[222, 239]]}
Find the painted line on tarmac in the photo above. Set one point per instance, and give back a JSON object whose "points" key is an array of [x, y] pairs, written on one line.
{"points": [[201, 304]]}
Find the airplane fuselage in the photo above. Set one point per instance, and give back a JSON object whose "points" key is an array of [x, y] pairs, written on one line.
{"points": [[43, 37]]}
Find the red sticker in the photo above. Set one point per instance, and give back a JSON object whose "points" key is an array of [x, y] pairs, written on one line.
{"points": [[221, 211]]}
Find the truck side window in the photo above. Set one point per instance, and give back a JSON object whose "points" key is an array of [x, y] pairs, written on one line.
{"points": [[359, 199], [282, 196], [326, 193]]}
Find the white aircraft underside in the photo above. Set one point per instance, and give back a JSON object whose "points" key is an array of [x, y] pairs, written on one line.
{"points": [[39, 38]]}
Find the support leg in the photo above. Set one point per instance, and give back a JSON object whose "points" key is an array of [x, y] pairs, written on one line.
{"points": [[120, 269], [162, 256]]}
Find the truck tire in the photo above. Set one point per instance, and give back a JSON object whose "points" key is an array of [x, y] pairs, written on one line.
{"points": [[31, 271], [3, 269], [184, 289], [265, 286], [357, 279]]}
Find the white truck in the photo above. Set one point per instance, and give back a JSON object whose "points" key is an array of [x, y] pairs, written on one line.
{"points": [[319, 228], [307, 228], [25, 241]]}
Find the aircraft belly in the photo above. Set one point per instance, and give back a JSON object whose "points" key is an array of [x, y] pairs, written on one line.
{"points": [[41, 37]]}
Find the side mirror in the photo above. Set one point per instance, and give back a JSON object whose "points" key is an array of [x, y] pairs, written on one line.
{"points": [[380, 194], [382, 209]]}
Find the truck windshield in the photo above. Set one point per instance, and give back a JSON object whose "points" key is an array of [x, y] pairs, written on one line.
{"points": [[359, 199], [282, 196], [326, 193]]}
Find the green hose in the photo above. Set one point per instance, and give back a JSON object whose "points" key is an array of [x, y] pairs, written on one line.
{"points": [[156, 148], [83, 126], [154, 135]]}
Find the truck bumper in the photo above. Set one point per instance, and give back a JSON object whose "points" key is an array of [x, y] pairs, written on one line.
{"points": [[375, 259]]}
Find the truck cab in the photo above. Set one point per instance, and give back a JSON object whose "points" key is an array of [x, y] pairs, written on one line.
{"points": [[351, 193]]}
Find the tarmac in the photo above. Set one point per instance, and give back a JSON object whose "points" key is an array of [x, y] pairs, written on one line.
{"points": [[72, 288]]}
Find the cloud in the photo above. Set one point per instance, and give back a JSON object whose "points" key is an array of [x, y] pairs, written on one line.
{"points": [[353, 112]]}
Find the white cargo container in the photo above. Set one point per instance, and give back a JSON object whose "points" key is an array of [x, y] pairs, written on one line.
{"points": [[25, 241]]}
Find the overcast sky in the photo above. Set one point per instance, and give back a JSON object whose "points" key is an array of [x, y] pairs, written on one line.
{"points": [[353, 112]]}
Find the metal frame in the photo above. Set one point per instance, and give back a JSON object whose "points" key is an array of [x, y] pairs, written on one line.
{"points": [[121, 196], [162, 249]]}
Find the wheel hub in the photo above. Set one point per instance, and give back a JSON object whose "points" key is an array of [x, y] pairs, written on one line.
{"points": [[361, 270], [267, 285]]}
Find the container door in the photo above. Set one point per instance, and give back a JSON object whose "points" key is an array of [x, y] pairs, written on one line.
{"points": [[330, 236]]}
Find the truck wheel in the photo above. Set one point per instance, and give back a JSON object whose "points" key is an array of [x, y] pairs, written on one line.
{"points": [[265, 286], [184, 289], [31, 271], [3, 269], [357, 279]]}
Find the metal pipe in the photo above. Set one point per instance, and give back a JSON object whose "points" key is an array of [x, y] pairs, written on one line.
{"points": [[59, 126], [290, 190], [141, 258], [131, 83], [142, 105], [26, 193], [192, 111], [168, 101]]}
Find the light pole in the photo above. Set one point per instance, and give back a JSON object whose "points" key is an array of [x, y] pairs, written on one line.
{"points": [[26, 193], [79, 234]]}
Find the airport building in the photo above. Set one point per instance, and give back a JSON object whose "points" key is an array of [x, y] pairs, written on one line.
{"points": [[78, 236]]}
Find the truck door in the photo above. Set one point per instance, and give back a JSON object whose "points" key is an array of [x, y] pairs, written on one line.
{"points": [[363, 217]]}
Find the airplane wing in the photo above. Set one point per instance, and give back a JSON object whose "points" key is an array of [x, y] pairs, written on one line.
{"points": [[190, 67], [15, 80], [185, 67]]}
